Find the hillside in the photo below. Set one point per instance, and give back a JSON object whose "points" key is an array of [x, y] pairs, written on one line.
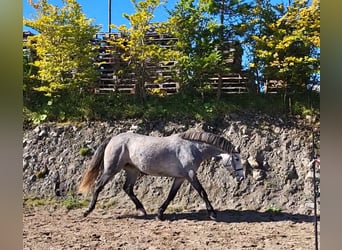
{"points": [[275, 155]]}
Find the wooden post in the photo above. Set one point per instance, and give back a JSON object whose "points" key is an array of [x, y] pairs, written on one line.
{"points": [[109, 15]]}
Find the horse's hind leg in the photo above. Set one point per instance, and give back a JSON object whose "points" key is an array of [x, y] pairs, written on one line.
{"points": [[174, 189], [197, 185], [99, 185], [111, 167], [132, 175]]}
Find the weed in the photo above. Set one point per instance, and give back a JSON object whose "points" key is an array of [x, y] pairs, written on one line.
{"points": [[273, 209], [175, 209], [72, 202], [35, 201], [84, 151], [157, 106]]}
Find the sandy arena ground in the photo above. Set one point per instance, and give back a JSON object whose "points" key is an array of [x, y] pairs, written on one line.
{"points": [[57, 228]]}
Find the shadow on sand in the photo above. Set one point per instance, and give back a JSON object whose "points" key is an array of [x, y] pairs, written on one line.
{"points": [[229, 216]]}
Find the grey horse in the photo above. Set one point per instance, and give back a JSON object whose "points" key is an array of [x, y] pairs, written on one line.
{"points": [[178, 156]]}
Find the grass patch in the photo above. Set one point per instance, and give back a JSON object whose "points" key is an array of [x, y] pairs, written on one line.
{"points": [[36, 201], [118, 106], [70, 202], [73, 202], [273, 209], [175, 209], [84, 151]]}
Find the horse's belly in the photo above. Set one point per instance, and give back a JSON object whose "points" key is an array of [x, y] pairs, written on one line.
{"points": [[161, 170], [161, 163]]}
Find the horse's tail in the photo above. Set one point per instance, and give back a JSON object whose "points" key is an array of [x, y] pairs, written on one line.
{"points": [[96, 164]]}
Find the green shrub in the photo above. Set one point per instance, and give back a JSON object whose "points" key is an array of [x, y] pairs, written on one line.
{"points": [[118, 106], [273, 209], [36, 201], [84, 151], [73, 202]]}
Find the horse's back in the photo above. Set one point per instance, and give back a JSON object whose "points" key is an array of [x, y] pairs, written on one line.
{"points": [[155, 155], [162, 156]]}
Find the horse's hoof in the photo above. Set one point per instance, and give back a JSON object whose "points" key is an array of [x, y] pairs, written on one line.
{"points": [[85, 214], [141, 212], [212, 216], [160, 217]]}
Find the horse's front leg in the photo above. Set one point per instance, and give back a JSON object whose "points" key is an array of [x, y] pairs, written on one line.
{"points": [[197, 185], [174, 189]]}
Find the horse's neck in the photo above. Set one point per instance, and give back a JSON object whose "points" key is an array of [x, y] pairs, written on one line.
{"points": [[208, 151]]}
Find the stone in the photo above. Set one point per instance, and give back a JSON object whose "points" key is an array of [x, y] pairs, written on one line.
{"points": [[27, 156], [51, 159], [54, 134], [243, 130], [134, 127], [33, 178], [253, 162], [309, 205], [43, 133], [277, 130], [25, 164], [258, 174], [309, 176], [36, 129], [234, 116], [291, 173]]}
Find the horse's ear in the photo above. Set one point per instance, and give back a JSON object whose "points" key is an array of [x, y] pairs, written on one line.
{"points": [[236, 149], [217, 158]]}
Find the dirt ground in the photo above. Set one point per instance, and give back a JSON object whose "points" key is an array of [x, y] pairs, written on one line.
{"points": [[110, 228]]}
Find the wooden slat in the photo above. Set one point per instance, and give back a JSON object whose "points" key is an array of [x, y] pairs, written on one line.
{"points": [[234, 82]]}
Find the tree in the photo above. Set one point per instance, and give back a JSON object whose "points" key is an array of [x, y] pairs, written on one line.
{"points": [[233, 17], [262, 16], [287, 44], [29, 71], [65, 54], [135, 45], [197, 34]]}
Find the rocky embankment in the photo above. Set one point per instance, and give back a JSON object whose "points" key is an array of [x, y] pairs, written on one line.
{"points": [[275, 155]]}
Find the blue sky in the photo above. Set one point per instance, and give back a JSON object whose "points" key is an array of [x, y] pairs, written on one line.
{"points": [[98, 10]]}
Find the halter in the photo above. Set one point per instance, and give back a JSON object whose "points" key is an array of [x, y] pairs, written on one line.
{"points": [[235, 152]]}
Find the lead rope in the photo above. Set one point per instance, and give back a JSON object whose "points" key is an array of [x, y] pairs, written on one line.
{"points": [[313, 166]]}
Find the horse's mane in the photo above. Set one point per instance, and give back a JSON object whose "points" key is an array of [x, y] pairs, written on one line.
{"points": [[212, 139]]}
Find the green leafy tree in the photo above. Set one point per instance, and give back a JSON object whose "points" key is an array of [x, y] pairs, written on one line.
{"points": [[233, 15], [65, 53], [197, 33], [135, 45], [261, 15], [29, 73], [287, 43]]}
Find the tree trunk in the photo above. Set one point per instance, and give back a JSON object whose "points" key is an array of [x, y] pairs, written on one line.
{"points": [[219, 87], [140, 92]]}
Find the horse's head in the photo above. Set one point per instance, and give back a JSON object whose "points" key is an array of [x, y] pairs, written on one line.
{"points": [[233, 161], [237, 166]]}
